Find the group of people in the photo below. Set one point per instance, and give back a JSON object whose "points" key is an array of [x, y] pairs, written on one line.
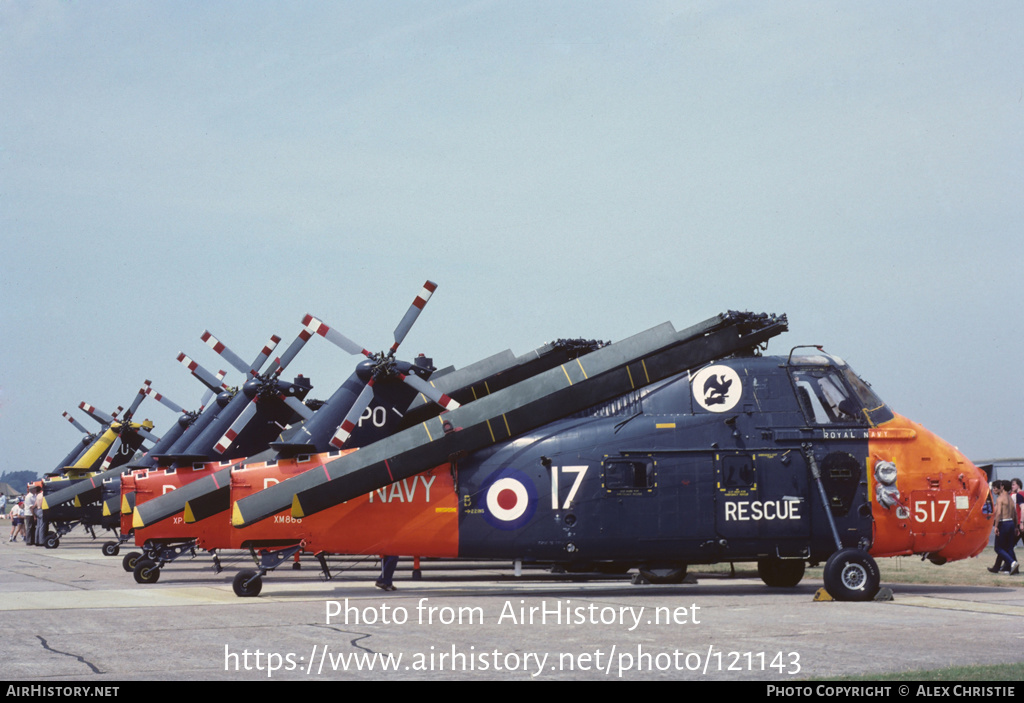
{"points": [[1007, 500], [27, 521]]}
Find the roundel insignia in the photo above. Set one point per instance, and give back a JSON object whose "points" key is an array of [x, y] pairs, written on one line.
{"points": [[717, 388], [510, 500]]}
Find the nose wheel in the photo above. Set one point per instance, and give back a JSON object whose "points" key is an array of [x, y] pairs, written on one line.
{"points": [[247, 583], [852, 575], [146, 571]]}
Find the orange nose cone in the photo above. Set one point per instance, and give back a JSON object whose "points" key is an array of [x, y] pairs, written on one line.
{"points": [[927, 497]]}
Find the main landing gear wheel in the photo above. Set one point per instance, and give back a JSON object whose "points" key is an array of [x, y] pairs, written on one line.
{"points": [[128, 563], [851, 574], [111, 549], [146, 571], [780, 573], [247, 584], [52, 541]]}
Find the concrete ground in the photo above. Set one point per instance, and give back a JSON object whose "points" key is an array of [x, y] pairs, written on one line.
{"points": [[71, 614]]}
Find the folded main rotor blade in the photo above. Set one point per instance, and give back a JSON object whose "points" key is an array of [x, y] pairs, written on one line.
{"points": [[66, 495], [76, 423], [354, 413], [136, 403], [225, 442], [165, 401], [210, 392], [265, 353], [208, 379], [332, 335], [428, 390], [414, 312], [229, 356], [96, 414], [146, 434], [300, 408], [112, 452], [282, 361], [163, 507]]}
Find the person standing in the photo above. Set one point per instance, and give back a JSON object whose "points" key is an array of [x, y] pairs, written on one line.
{"points": [[17, 521], [1004, 513], [1018, 501], [388, 564], [40, 519], [30, 516]]}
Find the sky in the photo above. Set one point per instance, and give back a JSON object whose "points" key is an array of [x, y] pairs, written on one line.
{"points": [[572, 169]]}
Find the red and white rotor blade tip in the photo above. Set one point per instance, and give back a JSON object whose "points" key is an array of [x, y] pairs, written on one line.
{"points": [[111, 453], [229, 356], [225, 442], [95, 413], [265, 353], [294, 348], [428, 390], [351, 420], [414, 312], [208, 379], [76, 423], [137, 402], [332, 335], [167, 402]]}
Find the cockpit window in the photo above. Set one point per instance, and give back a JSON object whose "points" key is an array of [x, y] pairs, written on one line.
{"points": [[875, 409], [863, 390], [824, 398]]}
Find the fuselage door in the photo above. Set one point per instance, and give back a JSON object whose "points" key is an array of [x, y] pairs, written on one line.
{"points": [[763, 496]]}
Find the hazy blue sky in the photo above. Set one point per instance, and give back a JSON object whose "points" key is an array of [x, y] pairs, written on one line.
{"points": [[559, 169]]}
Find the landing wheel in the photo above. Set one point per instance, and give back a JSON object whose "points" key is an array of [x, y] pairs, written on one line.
{"points": [[851, 574], [247, 584], [780, 573], [128, 563], [146, 571], [663, 576], [111, 549], [52, 541]]}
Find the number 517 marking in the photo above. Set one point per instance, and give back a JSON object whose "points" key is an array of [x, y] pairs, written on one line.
{"points": [[924, 510]]}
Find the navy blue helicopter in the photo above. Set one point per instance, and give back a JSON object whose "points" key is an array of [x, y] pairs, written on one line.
{"points": [[657, 452]]}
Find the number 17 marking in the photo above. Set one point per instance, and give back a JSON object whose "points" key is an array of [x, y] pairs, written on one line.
{"points": [[580, 471]]}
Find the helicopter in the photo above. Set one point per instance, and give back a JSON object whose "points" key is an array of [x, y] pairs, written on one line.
{"points": [[240, 424], [102, 492], [660, 451], [382, 395], [93, 486], [113, 447]]}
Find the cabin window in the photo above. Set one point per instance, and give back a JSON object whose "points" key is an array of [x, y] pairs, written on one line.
{"points": [[738, 473], [628, 474]]}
